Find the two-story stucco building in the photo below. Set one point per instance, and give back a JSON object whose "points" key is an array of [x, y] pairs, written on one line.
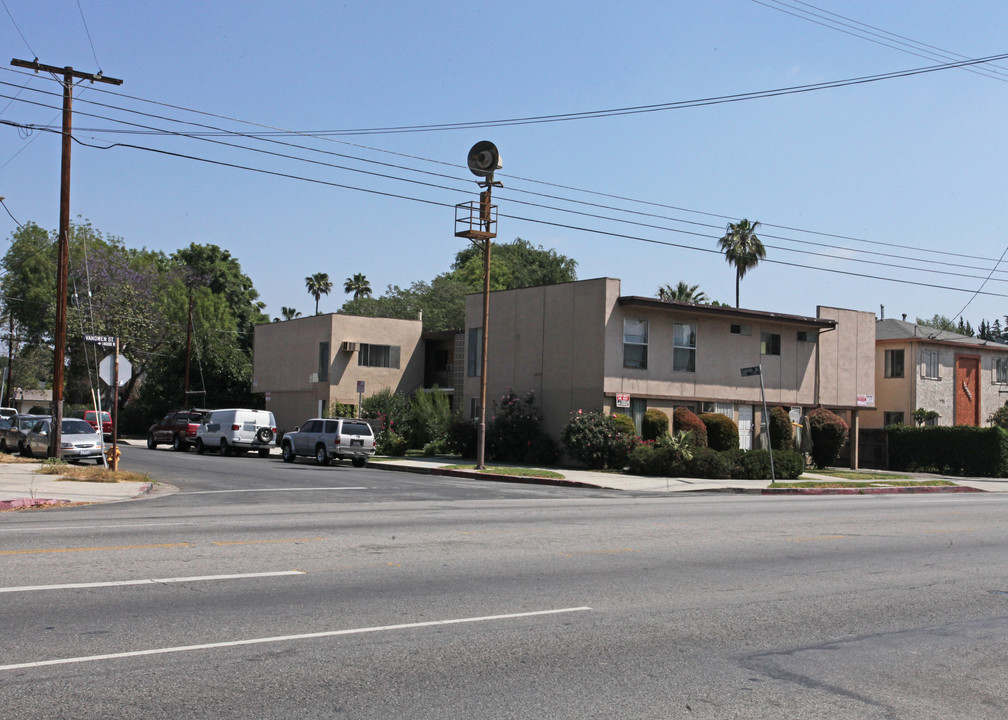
{"points": [[583, 345], [964, 379], [304, 365]]}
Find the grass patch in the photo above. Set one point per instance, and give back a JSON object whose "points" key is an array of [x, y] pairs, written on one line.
{"points": [[92, 473], [513, 471], [866, 484], [861, 475], [14, 459]]}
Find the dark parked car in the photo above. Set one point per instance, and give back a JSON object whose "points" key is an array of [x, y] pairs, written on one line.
{"points": [[177, 429], [12, 438]]}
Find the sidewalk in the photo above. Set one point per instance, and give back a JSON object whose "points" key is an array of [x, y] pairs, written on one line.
{"points": [[21, 486], [636, 483]]}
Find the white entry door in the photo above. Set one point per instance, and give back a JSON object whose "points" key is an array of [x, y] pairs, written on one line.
{"points": [[745, 421]]}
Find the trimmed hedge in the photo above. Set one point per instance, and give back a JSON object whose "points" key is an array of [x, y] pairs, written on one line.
{"points": [[781, 430], [654, 425], [829, 433], [955, 450], [722, 432], [660, 461], [684, 419]]}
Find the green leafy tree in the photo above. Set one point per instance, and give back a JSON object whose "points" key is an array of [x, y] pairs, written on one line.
{"points": [[742, 249], [318, 285], [683, 292], [358, 285]]}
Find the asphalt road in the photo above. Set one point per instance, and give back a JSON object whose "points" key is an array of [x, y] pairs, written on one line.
{"points": [[261, 590]]}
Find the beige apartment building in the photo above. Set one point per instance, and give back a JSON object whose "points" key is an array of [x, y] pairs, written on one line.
{"points": [[963, 379], [583, 345], [304, 365]]}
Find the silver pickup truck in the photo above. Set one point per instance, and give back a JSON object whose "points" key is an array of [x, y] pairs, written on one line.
{"points": [[328, 438]]}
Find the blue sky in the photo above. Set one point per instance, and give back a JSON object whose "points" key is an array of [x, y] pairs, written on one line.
{"points": [[910, 169]]}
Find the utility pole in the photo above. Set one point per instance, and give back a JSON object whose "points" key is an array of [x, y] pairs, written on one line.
{"points": [[188, 350], [63, 252], [478, 222]]}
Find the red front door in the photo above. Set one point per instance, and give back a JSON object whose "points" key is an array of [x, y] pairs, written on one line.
{"points": [[967, 390]]}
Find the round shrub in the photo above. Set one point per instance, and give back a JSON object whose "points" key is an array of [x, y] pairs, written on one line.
{"points": [[514, 426], [462, 437], [707, 463], [781, 429], [626, 424], [594, 439], [389, 442], [829, 433], [685, 419], [654, 424], [722, 432], [542, 450]]}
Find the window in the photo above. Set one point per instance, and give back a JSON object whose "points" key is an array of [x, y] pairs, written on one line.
{"points": [[894, 363], [741, 329], [929, 363], [806, 336], [893, 418], [386, 356], [474, 408], [1001, 370], [684, 347], [635, 343], [474, 350], [769, 343], [323, 362]]}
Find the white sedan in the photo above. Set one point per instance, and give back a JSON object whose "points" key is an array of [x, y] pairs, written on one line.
{"points": [[78, 441]]}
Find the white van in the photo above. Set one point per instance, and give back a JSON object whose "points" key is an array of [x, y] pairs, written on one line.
{"points": [[237, 430]]}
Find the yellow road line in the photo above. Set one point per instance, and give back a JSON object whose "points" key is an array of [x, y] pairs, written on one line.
{"points": [[261, 542]]}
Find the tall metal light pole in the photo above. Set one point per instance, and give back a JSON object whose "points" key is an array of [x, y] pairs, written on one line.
{"points": [[478, 222]]}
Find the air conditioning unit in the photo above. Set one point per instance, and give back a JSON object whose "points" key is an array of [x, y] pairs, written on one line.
{"points": [[349, 346]]}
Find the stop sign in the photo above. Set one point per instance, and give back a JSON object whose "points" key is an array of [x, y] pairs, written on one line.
{"points": [[106, 370]]}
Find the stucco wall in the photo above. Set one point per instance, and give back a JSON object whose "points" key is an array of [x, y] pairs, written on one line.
{"points": [[847, 360], [286, 358]]}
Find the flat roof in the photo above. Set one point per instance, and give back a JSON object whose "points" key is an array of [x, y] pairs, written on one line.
{"points": [[723, 311]]}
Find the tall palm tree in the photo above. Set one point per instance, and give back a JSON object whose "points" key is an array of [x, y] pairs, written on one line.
{"points": [[318, 285], [358, 285], [683, 293], [742, 249], [289, 313]]}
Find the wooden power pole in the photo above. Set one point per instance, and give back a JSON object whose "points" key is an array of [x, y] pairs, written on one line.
{"points": [[63, 252]]}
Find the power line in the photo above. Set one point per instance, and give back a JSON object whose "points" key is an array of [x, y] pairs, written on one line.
{"points": [[217, 131], [539, 205]]}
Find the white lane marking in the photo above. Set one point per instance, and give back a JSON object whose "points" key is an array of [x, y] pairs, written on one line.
{"points": [[89, 527], [252, 490], [285, 638], [150, 581]]}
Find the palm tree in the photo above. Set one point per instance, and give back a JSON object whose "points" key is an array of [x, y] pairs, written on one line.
{"points": [[742, 249], [358, 285], [289, 313], [318, 285], [683, 293]]}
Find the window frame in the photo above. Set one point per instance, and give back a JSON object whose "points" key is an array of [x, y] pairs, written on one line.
{"points": [[378, 356], [635, 343], [689, 347], [773, 340], [474, 352], [891, 366], [929, 357], [1001, 370]]}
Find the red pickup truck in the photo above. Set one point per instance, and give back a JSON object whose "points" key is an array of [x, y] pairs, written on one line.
{"points": [[91, 418]]}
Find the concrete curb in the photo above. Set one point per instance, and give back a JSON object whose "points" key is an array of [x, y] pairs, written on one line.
{"points": [[21, 503], [912, 490], [473, 475]]}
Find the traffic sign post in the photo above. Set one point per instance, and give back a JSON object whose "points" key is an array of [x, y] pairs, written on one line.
{"points": [[360, 396], [758, 370]]}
